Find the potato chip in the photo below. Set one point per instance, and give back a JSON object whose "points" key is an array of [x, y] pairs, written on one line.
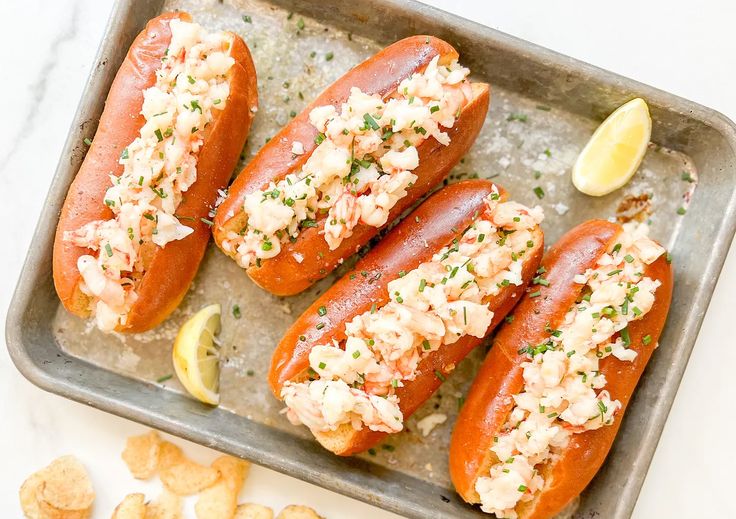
{"points": [[133, 506], [29, 495], [187, 477], [66, 488], [298, 512], [233, 470], [48, 511], [169, 455], [220, 500], [141, 454], [253, 511], [216, 502], [167, 506]]}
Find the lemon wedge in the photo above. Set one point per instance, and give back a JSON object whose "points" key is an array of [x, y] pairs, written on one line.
{"points": [[196, 355], [615, 150]]}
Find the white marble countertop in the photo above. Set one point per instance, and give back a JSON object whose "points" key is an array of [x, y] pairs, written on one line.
{"points": [[46, 53]]}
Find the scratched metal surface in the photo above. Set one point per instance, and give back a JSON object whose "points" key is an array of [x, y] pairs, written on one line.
{"points": [[544, 108]]}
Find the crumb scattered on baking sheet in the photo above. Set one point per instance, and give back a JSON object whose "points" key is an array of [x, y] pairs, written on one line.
{"points": [[431, 421], [634, 207]]}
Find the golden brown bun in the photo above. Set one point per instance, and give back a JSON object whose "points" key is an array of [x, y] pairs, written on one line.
{"points": [[432, 226], [489, 401], [169, 270], [381, 74]]}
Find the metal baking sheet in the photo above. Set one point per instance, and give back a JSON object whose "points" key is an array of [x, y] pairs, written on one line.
{"points": [[544, 107]]}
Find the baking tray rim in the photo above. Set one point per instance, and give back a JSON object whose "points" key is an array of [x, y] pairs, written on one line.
{"points": [[34, 266]]}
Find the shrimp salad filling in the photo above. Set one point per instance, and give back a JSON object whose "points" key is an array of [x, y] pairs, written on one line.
{"points": [[563, 387], [362, 165], [429, 307], [158, 167]]}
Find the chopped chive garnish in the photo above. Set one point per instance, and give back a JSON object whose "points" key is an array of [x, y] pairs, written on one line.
{"points": [[247, 19], [625, 336], [439, 375], [164, 378], [617, 247], [681, 211], [535, 294], [356, 354], [236, 311], [108, 249], [539, 192], [522, 118], [628, 258], [329, 56], [322, 311], [422, 284], [322, 365], [646, 340], [88, 141], [426, 345], [309, 223], [371, 122], [540, 281]]}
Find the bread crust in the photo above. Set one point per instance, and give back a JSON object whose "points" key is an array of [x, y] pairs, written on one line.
{"points": [[381, 74], [432, 226], [168, 270], [489, 401]]}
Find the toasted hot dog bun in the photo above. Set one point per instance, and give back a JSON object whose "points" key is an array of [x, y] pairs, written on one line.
{"points": [[381, 75], [168, 270], [432, 226], [489, 401]]}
